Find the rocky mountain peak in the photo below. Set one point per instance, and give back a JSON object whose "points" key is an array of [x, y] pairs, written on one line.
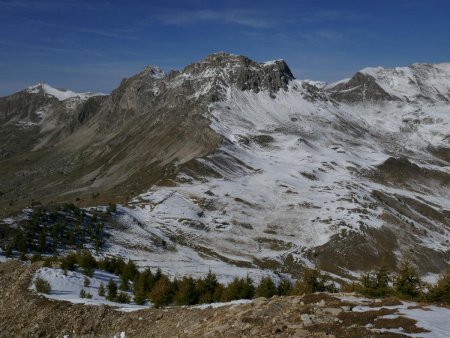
{"points": [[228, 70], [154, 72]]}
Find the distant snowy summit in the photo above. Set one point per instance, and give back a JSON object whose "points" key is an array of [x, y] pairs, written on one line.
{"points": [[60, 94], [418, 82]]}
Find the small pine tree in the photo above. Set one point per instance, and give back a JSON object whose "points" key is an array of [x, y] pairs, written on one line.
{"points": [[186, 293], [8, 250], [313, 281], [284, 287], [112, 291], [239, 288], [124, 285], [142, 286], [82, 293], [112, 208], [209, 289], [162, 292], [407, 283], [441, 291], [101, 290], [266, 288], [87, 262], [86, 282], [376, 284]]}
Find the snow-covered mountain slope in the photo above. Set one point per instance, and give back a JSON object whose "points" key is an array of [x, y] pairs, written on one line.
{"points": [[419, 82], [61, 94], [258, 172], [301, 179]]}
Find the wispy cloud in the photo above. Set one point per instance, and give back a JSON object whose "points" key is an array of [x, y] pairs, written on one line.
{"points": [[242, 17], [102, 32], [109, 33], [34, 47], [253, 18], [329, 15]]}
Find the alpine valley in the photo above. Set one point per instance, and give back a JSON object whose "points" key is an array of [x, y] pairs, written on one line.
{"points": [[236, 166]]}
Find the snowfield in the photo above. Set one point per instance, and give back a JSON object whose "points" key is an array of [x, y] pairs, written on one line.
{"points": [[68, 287], [431, 318]]}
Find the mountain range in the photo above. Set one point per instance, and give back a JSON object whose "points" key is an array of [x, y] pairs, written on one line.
{"points": [[237, 166]]}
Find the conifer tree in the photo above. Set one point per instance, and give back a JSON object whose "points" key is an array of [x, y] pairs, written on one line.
{"points": [[266, 288], [186, 293], [101, 290], [162, 292], [407, 282], [112, 291], [441, 291]]}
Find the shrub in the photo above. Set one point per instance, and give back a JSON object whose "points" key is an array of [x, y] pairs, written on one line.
{"points": [[122, 297], [69, 262], [42, 286]]}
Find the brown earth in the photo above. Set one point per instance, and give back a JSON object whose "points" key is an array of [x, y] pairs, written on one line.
{"points": [[25, 314]]}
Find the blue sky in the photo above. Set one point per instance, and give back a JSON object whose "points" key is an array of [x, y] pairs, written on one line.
{"points": [[92, 45]]}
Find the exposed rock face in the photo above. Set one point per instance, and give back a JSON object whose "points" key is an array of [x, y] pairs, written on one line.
{"points": [[227, 70]]}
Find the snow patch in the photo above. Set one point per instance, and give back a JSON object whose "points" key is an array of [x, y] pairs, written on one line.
{"points": [[60, 94]]}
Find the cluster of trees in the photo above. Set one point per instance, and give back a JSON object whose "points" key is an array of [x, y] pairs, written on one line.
{"points": [[159, 289], [51, 228], [405, 284]]}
